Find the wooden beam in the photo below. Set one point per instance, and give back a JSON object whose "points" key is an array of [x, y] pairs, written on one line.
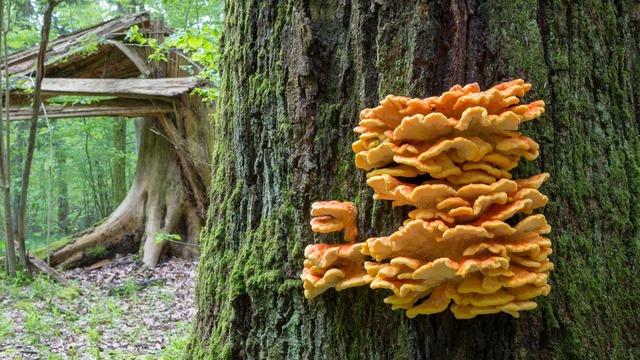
{"points": [[134, 56], [115, 107], [124, 88]]}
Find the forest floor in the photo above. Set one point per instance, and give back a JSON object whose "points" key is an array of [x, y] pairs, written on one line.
{"points": [[120, 310]]}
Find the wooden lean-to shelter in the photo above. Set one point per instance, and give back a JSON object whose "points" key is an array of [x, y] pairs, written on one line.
{"points": [[168, 194]]}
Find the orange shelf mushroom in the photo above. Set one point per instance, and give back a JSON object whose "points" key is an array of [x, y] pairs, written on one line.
{"points": [[333, 216], [460, 247], [333, 266]]}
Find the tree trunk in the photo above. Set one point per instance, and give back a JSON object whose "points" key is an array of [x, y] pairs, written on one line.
{"points": [[120, 160], [168, 194], [62, 214], [37, 102], [5, 174], [295, 76], [101, 205]]}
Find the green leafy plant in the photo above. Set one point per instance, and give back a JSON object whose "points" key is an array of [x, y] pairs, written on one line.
{"points": [[177, 343], [6, 329], [34, 324], [94, 340], [160, 237], [127, 289], [174, 238], [199, 46]]}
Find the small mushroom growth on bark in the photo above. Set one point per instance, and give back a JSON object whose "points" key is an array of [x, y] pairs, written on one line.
{"points": [[465, 241]]}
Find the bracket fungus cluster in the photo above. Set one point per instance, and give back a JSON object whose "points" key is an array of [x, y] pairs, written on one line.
{"points": [[471, 238]]}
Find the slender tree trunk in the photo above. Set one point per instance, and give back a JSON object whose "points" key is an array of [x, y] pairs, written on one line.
{"points": [[295, 76], [98, 204], [5, 172], [119, 175], [62, 215], [119, 161], [22, 252], [37, 102], [17, 160]]}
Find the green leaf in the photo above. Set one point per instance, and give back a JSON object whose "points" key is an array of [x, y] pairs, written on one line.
{"points": [[195, 42], [208, 46]]}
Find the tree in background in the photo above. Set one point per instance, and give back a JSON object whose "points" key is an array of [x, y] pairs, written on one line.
{"points": [[295, 76], [5, 162], [119, 161], [37, 103]]}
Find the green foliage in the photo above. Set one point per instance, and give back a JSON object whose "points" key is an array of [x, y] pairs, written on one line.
{"points": [[77, 100], [177, 344], [187, 14], [160, 237], [82, 167], [82, 175], [129, 288], [174, 238], [200, 46], [6, 328], [72, 16], [84, 152]]}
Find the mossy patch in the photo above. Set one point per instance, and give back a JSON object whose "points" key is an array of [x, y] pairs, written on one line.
{"points": [[97, 251], [68, 293], [41, 252]]}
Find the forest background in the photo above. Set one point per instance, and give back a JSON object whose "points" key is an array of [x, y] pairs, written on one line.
{"points": [[82, 170], [90, 161]]}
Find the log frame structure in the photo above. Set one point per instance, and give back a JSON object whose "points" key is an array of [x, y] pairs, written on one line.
{"points": [[168, 194]]}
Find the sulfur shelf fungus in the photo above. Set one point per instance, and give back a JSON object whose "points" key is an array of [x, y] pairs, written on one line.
{"points": [[333, 266], [472, 241], [464, 136], [462, 203], [331, 216]]}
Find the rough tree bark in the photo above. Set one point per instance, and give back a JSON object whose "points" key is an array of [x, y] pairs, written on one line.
{"points": [[295, 75], [168, 194]]}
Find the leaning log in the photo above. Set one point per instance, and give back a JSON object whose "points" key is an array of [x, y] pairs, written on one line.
{"points": [[46, 269]]}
